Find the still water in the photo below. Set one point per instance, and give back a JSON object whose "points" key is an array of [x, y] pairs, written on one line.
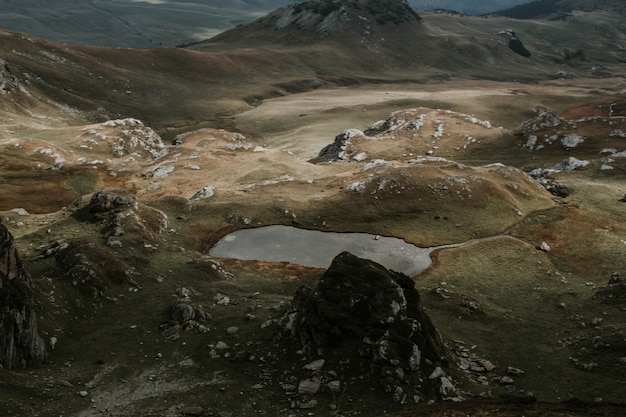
{"points": [[317, 249]]}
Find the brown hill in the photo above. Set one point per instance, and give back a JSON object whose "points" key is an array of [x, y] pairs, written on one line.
{"points": [[297, 48], [372, 40]]}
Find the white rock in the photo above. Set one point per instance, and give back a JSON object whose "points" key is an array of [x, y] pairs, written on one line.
{"points": [[437, 373], [204, 193], [315, 365], [446, 387], [221, 346], [20, 211], [572, 140]]}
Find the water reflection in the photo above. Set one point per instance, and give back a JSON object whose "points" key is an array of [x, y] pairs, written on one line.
{"points": [[317, 249]]}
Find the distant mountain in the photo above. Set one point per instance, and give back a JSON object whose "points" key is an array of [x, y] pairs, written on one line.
{"points": [[559, 9], [128, 23], [361, 21], [470, 7], [151, 24], [301, 47], [378, 39]]}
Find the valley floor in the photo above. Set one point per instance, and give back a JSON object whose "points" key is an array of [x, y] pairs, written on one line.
{"points": [[449, 163]]}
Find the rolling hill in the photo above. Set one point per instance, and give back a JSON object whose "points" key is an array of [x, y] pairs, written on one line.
{"points": [[128, 23], [561, 9], [121, 169]]}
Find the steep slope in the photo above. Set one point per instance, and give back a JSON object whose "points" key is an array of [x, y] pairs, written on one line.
{"points": [[334, 20], [20, 344], [375, 40]]}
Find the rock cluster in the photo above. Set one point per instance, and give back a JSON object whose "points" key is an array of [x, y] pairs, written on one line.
{"points": [[8, 81], [20, 344], [185, 315], [337, 150], [119, 211], [91, 268], [555, 188], [615, 291], [544, 120], [361, 307]]}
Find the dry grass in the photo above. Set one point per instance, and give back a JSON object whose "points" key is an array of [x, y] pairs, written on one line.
{"points": [[532, 302]]}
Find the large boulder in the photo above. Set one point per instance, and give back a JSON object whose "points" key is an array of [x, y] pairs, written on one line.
{"points": [[20, 344], [360, 306], [337, 150]]}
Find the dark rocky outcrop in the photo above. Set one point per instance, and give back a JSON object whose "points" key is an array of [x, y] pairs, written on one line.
{"points": [[518, 47], [615, 291], [361, 307], [20, 344], [108, 200], [337, 150], [120, 213], [91, 268]]}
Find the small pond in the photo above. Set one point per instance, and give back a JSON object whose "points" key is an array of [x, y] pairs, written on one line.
{"points": [[314, 248]]}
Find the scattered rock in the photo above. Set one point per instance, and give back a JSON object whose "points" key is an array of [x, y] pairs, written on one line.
{"points": [[20, 211], [182, 311], [334, 386], [514, 371], [309, 386], [570, 164], [222, 300], [487, 365], [204, 193], [471, 305], [544, 247], [506, 380], [315, 365]]}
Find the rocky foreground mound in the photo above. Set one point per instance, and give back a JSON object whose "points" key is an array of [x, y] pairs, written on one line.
{"points": [[20, 344], [368, 322]]}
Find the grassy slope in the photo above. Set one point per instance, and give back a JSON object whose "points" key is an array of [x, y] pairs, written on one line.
{"points": [[515, 284]]}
